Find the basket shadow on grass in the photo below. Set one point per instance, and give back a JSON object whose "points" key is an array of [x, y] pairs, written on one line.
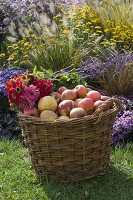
{"points": [[114, 185]]}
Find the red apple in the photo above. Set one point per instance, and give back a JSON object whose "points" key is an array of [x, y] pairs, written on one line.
{"points": [[65, 106], [81, 91], [74, 104], [68, 95], [88, 89], [87, 104], [97, 104], [77, 113], [48, 115], [104, 98], [57, 96], [61, 89], [94, 95], [33, 112]]}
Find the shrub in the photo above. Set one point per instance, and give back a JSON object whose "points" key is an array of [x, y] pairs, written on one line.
{"points": [[91, 71], [2, 27], [25, 18], [9, 125], [18, 53], [45, 48], [67, 78], [113, 75]]}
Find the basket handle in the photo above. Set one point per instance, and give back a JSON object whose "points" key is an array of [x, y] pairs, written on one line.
{"points": [[98, 113]]}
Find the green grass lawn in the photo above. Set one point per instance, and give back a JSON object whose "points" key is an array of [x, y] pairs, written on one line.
{"points": [[18, 180]]}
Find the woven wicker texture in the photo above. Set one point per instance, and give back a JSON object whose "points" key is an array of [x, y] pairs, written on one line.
{"points": [[71, 150]]}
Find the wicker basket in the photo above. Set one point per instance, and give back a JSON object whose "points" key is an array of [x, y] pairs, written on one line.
{"points": [[71, 150]]}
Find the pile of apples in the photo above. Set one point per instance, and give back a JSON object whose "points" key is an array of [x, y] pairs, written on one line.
{"points": [[66, 104]]}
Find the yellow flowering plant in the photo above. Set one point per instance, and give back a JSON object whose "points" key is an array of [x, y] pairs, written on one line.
{"points": [[88, 24]]}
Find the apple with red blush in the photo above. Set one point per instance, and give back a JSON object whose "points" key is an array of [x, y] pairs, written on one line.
{"points": [[88, 89], [33, 112], [57, 96], [104, 98], [77, 113], [94, 95], [61, 89], [68, 95], [81, 91], [97, 104], [87, 104], [65, 107]]}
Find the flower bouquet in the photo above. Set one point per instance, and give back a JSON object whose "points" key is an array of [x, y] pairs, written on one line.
{"points": [[25, 90]]}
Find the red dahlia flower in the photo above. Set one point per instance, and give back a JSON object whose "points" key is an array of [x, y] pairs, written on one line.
{"points": [[44, 86], [14, 90]]}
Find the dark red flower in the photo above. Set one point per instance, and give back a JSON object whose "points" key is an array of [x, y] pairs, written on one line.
{"points": [[44, 86], [31, 79], [15, 90], [13, 96]]}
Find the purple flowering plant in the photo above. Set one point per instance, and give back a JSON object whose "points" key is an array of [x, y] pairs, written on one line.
{"points": [[6, 75], [93, 69], [123, 126]]}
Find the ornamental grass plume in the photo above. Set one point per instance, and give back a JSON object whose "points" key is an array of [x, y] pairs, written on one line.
{"points": [[118, 82]]}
